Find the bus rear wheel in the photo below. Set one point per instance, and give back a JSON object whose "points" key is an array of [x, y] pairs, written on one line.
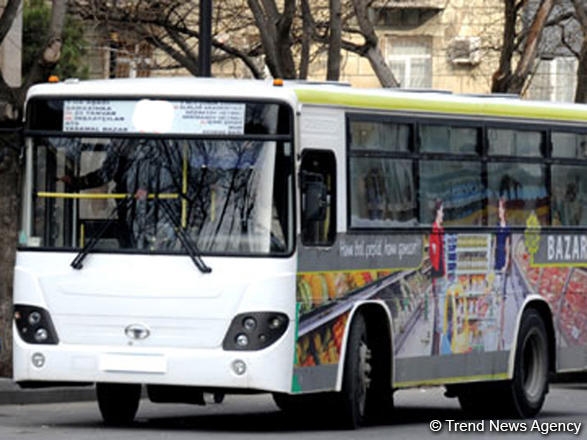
{"points": [[118, 403], [524, 395], [529, 385]]}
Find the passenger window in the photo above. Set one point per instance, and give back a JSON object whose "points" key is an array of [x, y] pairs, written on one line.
{"points": [[458, 185], [382, 136], [382, 193], [524, 189], [571, 145], [569, 195], [515, 142], [447, 139], [318, 198]]}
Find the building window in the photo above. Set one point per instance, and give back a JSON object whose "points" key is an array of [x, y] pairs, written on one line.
{"points": [[554, 80], [129, 59], [410, 60]]}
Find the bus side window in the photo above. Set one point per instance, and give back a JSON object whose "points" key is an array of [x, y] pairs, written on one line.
{"points": [[318, 198]]}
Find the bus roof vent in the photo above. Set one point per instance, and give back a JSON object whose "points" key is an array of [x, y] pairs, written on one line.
{"points": [[317, 83], [407, 90], [493, 95]]}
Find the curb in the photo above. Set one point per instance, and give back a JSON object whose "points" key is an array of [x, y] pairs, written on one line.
{"points": [[12, 394]]}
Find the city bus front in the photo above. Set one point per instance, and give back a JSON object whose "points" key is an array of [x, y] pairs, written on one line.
{"points": [[157, 243]]}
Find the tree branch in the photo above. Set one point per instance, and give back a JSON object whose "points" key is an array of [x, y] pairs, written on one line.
{"points": [[7, 17]]}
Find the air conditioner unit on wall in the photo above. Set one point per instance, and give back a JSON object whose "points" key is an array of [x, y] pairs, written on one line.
{"points": [[465, 51]]}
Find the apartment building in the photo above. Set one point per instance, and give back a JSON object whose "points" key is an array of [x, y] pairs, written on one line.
{"points": [[440, 44], [449, 45]]}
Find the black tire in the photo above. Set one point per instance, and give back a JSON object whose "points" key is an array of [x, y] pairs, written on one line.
{"points": [[529, 385], [379, 405], [524, 395], [357, 376], [302, 404], [118, 403], [483, 399], [286, 402]]}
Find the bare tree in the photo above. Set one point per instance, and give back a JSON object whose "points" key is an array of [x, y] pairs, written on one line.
{"points": [[287, 36], [12, 100], [275, 32], [522, 46], [172, 27], [541, 29]]}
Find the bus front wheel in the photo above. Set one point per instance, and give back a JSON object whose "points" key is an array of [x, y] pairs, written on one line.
{"points": [[118, 403], [357, 375]]}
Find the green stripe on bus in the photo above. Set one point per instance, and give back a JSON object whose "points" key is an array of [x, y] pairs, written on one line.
{"points": [[452, 107]]}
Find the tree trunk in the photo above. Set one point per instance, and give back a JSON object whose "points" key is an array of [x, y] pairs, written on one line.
{"points": [[9, 179], [335, 41], [581, 92], [306, 39], [581, 14], [371, 49], [8, 15], [504, 80], [501, 77], [274, 29], [381, 68], [52, 51], [9, 209], [284, 26]]}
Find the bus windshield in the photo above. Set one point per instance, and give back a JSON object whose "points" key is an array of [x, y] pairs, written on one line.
{"points": [[227, 195]]}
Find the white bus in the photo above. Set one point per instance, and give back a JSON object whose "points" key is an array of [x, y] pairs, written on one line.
{"points": [[326, 244]]}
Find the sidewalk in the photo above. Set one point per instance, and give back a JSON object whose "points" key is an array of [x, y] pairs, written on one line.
{"points": [[12, 394]]}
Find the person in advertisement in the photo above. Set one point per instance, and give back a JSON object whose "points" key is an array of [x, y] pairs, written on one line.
{"points": [[502, 251], [438, 270]]}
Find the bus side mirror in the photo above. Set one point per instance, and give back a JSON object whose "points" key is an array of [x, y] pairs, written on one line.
{"points": [[314, 197]]}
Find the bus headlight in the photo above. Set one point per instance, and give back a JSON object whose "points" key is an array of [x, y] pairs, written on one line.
{"points": [[34, 325], [242, 340], [255, 330], [34, 318], [249, 323], [41, 335]]}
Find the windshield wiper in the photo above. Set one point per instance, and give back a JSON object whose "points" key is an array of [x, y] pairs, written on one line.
{"points": [[91, 244], [185, 240]]}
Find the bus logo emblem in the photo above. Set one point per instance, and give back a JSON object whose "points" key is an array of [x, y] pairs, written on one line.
{"points": [[137, 332]]}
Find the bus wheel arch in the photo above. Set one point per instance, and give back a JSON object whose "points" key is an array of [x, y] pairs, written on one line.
{"points": [[368, 353]]}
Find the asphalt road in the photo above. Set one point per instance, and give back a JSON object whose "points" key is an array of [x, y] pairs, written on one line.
{"points": [[256, 417]]}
